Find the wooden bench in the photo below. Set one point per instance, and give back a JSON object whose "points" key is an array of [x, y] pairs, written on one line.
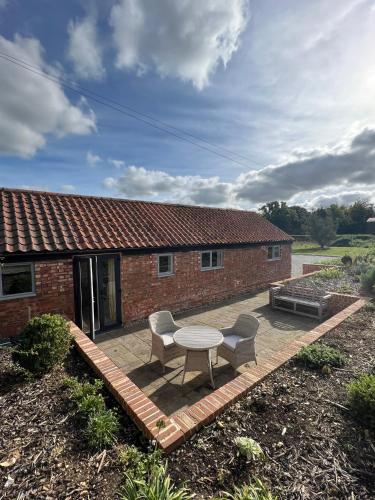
{"points": [[300, 299]]}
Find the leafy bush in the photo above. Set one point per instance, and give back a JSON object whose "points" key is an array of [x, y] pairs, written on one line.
{"points": [[44, 342], [102, 425], [342, 242], [146, 477], [319, 355], [368, 279], [328, 274], [347, 260], [361, 395], [344, 288], [248, 448], [91, 405], [80, 390], [102, 429], [255, 491]]}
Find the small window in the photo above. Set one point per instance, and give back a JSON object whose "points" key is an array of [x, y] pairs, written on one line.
{"points": [[165, 264], [16, 280], [274, 252], [212, 259]]}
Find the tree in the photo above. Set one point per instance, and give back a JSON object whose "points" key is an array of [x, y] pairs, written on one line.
{"points": [[321, 229], [289, 219]]}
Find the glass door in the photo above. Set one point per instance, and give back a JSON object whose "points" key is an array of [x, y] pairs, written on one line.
{"points": [[97, 293], [109, 290]]}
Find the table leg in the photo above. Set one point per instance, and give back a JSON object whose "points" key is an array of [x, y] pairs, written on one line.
{"points": [[198, 361]]}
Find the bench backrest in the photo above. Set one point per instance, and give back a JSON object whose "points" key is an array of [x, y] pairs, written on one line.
{"points": [[302, 291]]}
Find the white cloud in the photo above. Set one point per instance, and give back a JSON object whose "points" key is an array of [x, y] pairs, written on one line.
{"points": [[31, 106], [92, 159], [341, 173], [68, 188], [139, 182], [84, 49], [117, 163], [185, 38]]}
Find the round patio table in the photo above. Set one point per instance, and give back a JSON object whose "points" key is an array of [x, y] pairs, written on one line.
{"points": [[198, 340]]}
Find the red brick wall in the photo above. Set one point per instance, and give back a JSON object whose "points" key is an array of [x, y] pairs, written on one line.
{"points": [[143, 292], [311, 268], [54, 294]]}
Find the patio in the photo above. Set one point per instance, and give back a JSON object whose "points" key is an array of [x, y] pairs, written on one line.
{"points": [[130, 350]]}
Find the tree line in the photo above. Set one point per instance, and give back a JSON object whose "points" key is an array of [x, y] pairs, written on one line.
{"points": [[322, 224], [346, 219]]}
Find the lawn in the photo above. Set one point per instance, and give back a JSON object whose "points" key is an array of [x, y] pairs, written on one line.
{"points": [[311, 248]]}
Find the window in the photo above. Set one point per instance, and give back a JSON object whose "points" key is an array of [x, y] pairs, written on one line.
{"points": [[274, 252], [16, 280], [165, 264], [212, 259]]}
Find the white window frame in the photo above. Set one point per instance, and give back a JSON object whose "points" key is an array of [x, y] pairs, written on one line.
{"points": [[18, 295], [171, 271], [273, 252], [210, 267]]}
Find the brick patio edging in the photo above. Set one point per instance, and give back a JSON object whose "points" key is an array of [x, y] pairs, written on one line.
{"points": [[182, 425]]}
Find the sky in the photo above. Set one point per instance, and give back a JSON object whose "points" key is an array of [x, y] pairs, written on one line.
{"points": [[229, 104]]}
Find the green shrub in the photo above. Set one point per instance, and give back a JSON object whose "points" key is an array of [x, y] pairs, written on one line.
{"points": [[328, 274], [91, 405], [102, 429], [137, 463], [344, 288], [361, 396], [157, 486], [80, 390], [347, 260], [146, 477], [254, 491], [248, 448], [319, 355], [368, 279], [44, 342]]}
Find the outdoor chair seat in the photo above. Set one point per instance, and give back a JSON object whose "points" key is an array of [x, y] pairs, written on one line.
{"points": [[238, 346], [163, 326], [167, 338], [230, 341]]}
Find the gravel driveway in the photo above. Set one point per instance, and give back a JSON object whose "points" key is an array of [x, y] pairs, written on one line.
{"points": [[298, 260]]}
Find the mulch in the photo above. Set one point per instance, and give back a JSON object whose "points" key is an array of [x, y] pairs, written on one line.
{"points": [[314, 449], [43, 451]]}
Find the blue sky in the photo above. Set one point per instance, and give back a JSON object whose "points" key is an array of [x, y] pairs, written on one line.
{"points": [[288, 86]]}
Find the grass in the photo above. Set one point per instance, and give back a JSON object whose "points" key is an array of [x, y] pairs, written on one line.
{"points": [[311, 248]]}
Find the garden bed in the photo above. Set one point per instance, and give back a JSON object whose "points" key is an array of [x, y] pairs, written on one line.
{"points": [[338, 280], [39, 432], [313, 446]]}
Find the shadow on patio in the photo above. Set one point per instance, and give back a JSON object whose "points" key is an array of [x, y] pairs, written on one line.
{"points": [[130, 350]]}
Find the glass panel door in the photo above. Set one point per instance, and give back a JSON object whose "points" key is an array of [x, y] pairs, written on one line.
{"points": [[87, 296], [97, 292], [108, 291]]}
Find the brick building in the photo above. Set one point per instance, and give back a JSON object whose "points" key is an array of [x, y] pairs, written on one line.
{"points": [[104, 262]]}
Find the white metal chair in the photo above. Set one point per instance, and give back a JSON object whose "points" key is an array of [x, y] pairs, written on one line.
{"points": [[163, 326], [238, 346]]}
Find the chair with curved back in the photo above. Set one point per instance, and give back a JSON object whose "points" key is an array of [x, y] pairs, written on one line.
{"points": [[238, 346], [163, 326]]}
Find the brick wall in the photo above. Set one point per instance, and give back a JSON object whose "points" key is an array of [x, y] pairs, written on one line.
{"points": [[311, 268], [54, 294], [246, 269]]}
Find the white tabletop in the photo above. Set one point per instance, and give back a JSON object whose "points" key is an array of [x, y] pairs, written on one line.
{"points": [[198, 337]]}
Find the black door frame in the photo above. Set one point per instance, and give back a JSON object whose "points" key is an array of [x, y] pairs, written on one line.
{"points": [[96, 266]]}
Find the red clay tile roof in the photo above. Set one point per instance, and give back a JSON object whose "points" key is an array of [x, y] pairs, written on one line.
{"points": [[32, 221]]}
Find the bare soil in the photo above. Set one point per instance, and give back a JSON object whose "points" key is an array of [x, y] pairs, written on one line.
{"points": [[41, 435], [314, 449]]}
